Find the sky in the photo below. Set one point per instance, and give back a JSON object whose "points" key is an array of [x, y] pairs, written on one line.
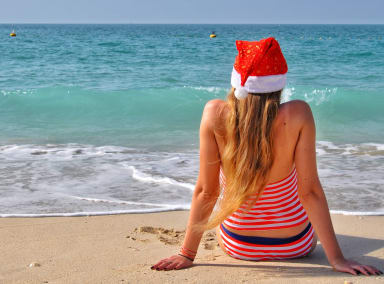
{"points": [[193, 11]]}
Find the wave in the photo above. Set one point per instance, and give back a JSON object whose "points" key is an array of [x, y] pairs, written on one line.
{"points": [[101, 117], [113, 179], [143, 177], [345, 115], [73, 109], [60, 152], [214, 90], [56, 152], [165, 206], [287, 94], [357, 213], [94, 213], [367, 149], [153, 210]]}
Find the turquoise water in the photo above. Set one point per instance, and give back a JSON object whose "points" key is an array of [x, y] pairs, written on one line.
{"points": [[104, 118]]}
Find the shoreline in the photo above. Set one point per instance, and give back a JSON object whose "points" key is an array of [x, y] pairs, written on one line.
{"points": [[121, 248], [154, 211]]}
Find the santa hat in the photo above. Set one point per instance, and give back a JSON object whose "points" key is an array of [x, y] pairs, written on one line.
{"points": [[260, 67]]}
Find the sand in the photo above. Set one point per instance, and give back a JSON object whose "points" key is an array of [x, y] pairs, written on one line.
{"points": [[121, 249]]}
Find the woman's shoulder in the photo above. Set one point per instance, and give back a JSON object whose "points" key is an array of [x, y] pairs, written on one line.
{"points": [[296, 110], [214, 113], [298, 106], [214, 108], [214, 105]]}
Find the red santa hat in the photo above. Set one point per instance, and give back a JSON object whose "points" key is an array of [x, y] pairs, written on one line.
{"points": [[260, 67]]}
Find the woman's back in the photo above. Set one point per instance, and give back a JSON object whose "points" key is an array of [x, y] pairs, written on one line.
{"points": [[286, 129]]}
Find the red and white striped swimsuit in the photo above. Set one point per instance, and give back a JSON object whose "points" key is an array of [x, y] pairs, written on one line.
{"points": [[278, 207]]}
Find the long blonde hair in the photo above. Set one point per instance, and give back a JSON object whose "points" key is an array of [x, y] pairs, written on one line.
{"points": [[248, 153]]}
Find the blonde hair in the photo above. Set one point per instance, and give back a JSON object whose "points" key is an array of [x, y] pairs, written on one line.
{"points": [[248, 153]]}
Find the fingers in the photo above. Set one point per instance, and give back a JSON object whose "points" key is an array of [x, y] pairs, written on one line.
{"points": [[360, 268], [165, 264], [160, 264], [372, 270], [172, 266], [173, 262], [365, 269], [356, 268]]}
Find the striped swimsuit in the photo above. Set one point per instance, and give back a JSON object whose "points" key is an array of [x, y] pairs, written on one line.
{"points": [[278, 207]]}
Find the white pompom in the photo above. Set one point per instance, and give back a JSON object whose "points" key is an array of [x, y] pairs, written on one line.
{"points": [[241, 93]]}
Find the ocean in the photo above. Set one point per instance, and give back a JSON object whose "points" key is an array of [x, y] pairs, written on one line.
{"points": [[104, 119]]}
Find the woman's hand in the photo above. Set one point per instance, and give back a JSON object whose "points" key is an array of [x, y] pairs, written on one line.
{"points": [[355, 268], [173, 262]]}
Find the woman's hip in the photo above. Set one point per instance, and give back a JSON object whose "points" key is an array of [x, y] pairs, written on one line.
{"points": [[262, 248]]}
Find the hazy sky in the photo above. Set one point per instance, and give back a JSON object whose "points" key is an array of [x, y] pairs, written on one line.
{"points": [[193, 11]]}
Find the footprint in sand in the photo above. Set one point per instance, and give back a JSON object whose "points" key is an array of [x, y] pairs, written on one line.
{"points": [[174, 237], [209, 241], [166, 236]]}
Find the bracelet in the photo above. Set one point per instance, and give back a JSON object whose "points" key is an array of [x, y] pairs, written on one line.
{"points": [[188, 255], [187, 252], [191, 259]]}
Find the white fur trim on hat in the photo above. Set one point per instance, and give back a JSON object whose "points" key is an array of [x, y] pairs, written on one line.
{"points": [[241, 93], [259, 84]]}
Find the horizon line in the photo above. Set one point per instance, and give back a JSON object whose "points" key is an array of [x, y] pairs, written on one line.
{"points": [[157, 23]]}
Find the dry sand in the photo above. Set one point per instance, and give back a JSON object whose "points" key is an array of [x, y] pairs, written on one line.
{"points": [[121, 249]]}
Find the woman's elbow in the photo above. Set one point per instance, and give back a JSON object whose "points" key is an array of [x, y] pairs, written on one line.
{"points": [[206, 193], [311, 193], [307, 196]]}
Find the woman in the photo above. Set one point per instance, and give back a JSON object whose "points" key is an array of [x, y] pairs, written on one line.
{"points": [[262, 154]]}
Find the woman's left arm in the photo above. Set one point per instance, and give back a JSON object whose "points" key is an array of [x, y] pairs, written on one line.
{"points": [[313, 199], [206, 191]]}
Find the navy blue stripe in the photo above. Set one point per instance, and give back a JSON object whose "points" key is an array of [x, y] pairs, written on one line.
{"points": [[266, 241]]}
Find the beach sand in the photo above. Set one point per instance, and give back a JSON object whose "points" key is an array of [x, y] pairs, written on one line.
{"points": [[121, 249]]}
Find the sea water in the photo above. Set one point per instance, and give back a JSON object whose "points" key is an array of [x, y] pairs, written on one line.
{"points": [[104, 119]]}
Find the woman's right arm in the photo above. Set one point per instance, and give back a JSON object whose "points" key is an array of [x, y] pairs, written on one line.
{"points": [[312, 196], [206, 191]]}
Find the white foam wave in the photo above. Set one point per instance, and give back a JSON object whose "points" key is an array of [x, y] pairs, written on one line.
{"points": [[350, 173], [319, 96], [357, 213], [146, 178], [379, 147], [97, 213], [369, 149], [127, 202], [17, 92], [57, 152], [327, 144], [287, 94], [214, 90], [320, 152], [153, 210]]}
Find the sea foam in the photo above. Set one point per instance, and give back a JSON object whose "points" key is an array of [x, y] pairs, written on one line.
{"points": [[58, 180]]}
